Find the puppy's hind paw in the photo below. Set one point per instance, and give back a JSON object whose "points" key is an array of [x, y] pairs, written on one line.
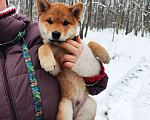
{"points": [[100, 52], [104, 58]]}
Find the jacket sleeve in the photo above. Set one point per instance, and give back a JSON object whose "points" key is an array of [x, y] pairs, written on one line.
{"points": [[97, 87], [97, 84]]}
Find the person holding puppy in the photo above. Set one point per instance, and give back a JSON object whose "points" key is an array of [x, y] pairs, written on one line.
{"points": [[28, 92]]}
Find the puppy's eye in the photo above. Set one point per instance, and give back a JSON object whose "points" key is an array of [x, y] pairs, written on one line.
{"points": [[50, 21], [66, 23]]}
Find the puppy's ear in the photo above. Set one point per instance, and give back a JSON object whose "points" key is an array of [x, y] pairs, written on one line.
{"points": [[42, 5], [77, 10]]}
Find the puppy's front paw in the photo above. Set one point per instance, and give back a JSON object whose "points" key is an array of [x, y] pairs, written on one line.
{"points": [[48, 64]]}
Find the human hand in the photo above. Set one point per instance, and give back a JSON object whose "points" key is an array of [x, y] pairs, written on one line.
{"points": [[75, 49]]}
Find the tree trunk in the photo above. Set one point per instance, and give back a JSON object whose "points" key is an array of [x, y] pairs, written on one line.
{"points": [[136, 18], [89, 16], [128, 19], [119, 16], [27, 9], [143, 25], [31, 10]]}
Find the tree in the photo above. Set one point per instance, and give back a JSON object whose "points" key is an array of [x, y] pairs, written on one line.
{"points": [[89, 16], [30, 7], [119, 15], [143, 25]]}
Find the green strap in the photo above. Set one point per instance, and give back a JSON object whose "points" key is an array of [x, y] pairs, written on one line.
{"points": [[33, 81]]}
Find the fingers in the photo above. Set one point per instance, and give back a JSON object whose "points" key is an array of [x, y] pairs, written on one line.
{"points": [[68, 58], [78, 46], [78, 39], [74, 43], [75, 48], [69, 48], [72, 47], [68, 65]]}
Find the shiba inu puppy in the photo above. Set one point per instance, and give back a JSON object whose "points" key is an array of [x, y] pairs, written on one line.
{"points": [[58, 22]]}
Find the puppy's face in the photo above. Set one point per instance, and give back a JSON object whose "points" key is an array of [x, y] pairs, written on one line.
{"points": [[57, 21]]}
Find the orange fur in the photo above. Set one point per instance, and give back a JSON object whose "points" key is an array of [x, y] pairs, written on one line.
{"points": [[58, 13], [73, 88]]}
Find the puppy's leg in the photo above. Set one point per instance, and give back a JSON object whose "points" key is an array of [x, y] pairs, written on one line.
{"points": [[87, 110], [65, 111], [56, 70], [46, 58], [100, 52]]}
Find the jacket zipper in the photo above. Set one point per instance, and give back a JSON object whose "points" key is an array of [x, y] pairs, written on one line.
{"points": [[8, 92]]}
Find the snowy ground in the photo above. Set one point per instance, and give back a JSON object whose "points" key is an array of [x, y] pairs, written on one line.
{"points": [[127, 96]]}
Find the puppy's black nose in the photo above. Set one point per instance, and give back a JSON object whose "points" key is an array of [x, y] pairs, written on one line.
{"points": [[56, 34]]}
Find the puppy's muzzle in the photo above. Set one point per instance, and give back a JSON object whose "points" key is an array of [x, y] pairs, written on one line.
{"points": [[56, 35]]}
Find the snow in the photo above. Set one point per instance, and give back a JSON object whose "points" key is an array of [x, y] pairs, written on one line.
{"points": [[127, 96]]}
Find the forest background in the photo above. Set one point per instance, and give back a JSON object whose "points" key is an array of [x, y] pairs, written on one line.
{"points": [[128, 15]]}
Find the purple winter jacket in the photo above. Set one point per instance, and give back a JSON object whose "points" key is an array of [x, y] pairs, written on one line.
{"points": [[16, 102]]}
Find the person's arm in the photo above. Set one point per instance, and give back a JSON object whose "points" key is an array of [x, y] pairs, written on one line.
{"points": [[83, 62]]}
